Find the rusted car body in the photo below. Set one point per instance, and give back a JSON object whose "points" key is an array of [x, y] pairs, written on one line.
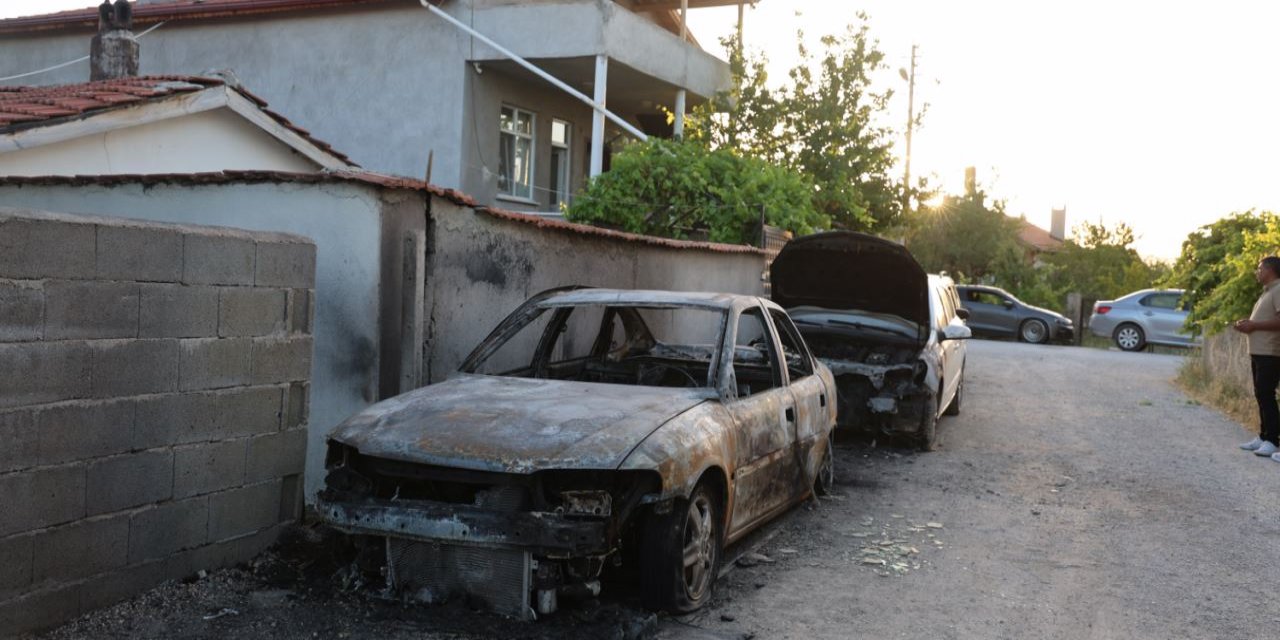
{"points": [[592, 428], [892, 335]]}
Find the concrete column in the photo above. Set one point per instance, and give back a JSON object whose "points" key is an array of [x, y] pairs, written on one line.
{"points": [[681, 97], [597, 116]]}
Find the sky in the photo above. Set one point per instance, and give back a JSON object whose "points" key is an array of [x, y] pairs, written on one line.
{"points": [[1160, 114]]}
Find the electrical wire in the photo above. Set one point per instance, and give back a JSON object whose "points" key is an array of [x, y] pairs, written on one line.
{"points": [[69, 63]]}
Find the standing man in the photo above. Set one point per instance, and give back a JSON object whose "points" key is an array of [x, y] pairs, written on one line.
{"points": [[1263, 329]]}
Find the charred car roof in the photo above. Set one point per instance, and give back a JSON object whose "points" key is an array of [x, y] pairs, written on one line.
{"points": [[846, 270], [642, 298]]}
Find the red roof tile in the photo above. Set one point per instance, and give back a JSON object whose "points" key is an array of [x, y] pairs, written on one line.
{"points": [[1038, 238], [26, 107], [377, 180]]}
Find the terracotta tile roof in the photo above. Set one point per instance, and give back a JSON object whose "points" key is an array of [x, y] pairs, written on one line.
{"points": [[376, 180], [26, 107], [1038, 238], [145, 14]]}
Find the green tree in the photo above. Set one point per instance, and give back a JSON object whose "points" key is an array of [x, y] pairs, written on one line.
{"points": [[965, 238], [674, 188], [1216, 269], [1100, 263], [823, 124]]}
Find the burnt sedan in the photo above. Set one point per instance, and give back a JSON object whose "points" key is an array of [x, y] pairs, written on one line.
{"points": [[591, 429]]}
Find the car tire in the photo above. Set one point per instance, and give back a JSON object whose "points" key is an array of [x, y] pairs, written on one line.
{"points": [[1129, 337], [953, 409], [825, 481], [927, 438], [1033, 331], [671, 579]]}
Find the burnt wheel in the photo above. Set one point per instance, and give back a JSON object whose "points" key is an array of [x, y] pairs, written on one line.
{"points": [[1034, 331], [825, 482], [927, 438], [680, 552]]}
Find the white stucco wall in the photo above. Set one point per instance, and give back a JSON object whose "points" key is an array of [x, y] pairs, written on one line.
{"points": [[384, 84], [208, 141], [342, 219]]}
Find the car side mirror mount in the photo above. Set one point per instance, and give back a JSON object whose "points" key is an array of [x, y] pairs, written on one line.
{"points": [[1008, 304], [956, 331], [962, 313]]}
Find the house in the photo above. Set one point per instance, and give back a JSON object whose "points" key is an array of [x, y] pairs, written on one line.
{"points": [[407, 92], [156, 124], [1036, 241]]}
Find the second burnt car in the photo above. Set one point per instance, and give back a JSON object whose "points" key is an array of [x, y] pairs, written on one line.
{"points": [[892, 335], [592, 428]]}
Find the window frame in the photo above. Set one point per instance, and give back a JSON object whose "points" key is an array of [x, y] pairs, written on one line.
{"points": [[532, 138]]}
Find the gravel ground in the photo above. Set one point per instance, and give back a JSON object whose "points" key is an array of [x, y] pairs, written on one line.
{"points": [[1079, 495]]}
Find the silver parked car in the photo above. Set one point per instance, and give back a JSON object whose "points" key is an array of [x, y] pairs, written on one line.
{"points": [[1149, 316], [593, 428]]}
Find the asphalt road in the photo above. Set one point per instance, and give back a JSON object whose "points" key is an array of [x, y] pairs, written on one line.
{"points": [[1078, 495]]}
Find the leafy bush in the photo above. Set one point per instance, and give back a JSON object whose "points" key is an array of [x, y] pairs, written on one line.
{"points": [[673, 188], [1216, 268]]}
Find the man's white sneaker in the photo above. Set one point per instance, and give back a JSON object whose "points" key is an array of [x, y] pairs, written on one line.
{"points": [[1252, 445], [1276, 456], [1265, 449]]}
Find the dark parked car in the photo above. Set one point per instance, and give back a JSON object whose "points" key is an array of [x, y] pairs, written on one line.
{"points": [[997, 313], [592, 428], [892, 335]]}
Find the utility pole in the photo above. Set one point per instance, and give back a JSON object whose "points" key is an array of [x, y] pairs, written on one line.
{"points": [[911, 123]]}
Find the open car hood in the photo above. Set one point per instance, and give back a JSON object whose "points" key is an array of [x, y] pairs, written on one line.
{"points": [[851, 271], [515, 425]]}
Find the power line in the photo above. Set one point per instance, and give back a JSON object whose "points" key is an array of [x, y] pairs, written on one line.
{"points": [[68, 63]]}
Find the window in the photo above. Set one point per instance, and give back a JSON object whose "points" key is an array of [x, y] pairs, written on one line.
{"points": [[753, 368], [1161, 301], [515, 153], [560, 164], [798, 363]]}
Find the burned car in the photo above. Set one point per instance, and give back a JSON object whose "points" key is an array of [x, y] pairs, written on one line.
{"points": [[892, 335], [592, 428]]}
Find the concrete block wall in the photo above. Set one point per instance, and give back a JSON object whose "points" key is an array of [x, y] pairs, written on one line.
{"points": [[154, 384]]}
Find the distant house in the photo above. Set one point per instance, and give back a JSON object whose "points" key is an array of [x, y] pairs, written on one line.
{"points": [[406, 92], [1036, 241], [166, 124]]}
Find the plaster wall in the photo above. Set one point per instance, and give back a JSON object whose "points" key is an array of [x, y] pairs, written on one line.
{"points": [[343, 221], [208, 141]]}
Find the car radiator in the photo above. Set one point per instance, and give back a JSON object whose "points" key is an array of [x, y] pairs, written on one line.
{"points": [[493, 579]]}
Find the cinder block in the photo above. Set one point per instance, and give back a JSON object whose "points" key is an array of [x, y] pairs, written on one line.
{"points": [[203, 468], [218, 260], [214, 363], [40, 610], [130, 480], [121, 584], [41, 497], [135, 367], [139, 253], [222, 554], [39, 372], [291, 498], [276, 455], [82, 549], [46, 249], [16, 553], [84, 430], [249, 411], [19, 441], [175, 419], [243, 510], [290, 264], [250, 311], [301, 310], [168, 528], [281, 360], [297, 405], [178, 311], [21, 310], [88, 310]]}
